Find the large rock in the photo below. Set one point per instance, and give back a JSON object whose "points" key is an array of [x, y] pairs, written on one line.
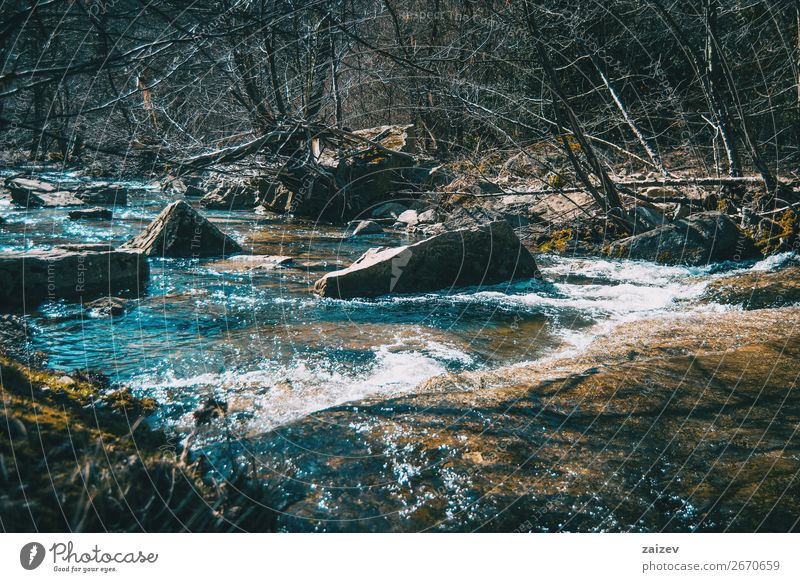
{"points": [[484, 256], [189, 186], [645, 218], [39, 193], [472, 216], [343, 184], [106, 193], [28, 278], [409, 218], [388, 210], [547, 446], [365, 227], [230, 197], [180, 231], [30, 192], [47, 199], [700, 239]]}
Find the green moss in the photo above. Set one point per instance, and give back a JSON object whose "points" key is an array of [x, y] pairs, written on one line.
{"points": [[664, 257], [773, 240], [556, 181], [558, 241]]}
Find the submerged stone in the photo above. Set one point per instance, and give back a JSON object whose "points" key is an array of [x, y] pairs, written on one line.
{"points": [[180, 231], [108, 306], [482, 256], [91, 213], [365, 227]]}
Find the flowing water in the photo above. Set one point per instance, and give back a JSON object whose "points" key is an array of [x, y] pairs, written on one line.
{"points": [[258, 339]]}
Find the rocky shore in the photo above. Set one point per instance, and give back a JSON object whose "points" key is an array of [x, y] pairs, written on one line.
{"points": [[77, 455]]}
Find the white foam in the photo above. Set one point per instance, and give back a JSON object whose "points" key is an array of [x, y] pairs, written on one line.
{"points": [[277, 394]]}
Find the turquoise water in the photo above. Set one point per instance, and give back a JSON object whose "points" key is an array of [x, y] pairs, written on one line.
{"points": [[262, 342]]}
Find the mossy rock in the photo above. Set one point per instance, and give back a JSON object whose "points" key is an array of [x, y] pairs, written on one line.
{"points": [[757, 289], [557, 242], [79, 459]]}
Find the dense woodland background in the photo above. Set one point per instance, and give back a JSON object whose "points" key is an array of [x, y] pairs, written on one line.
{"points": [[656, 85]]}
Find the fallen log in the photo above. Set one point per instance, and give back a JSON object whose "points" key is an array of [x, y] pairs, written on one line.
{"points": [[666, 183]]}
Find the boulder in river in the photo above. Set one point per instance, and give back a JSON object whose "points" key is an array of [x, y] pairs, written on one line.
{"points": [[230, 197], [189, 186], [429, 216], [697, 240], [472, 216], [343, 184], [107, 306], [95, 213], [389, 210], [106, 193], [30, 192], [28, 278], [40, 193], [408, 218], [180, 231], [364, 227], [482, 256]]}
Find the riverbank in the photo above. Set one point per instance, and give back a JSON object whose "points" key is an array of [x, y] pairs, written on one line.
{"points": [[79, 456]]}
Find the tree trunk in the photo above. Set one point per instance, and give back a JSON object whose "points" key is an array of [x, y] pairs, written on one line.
{"points": [[714, 104], [610, 199], [720, 63], [651, 153]]}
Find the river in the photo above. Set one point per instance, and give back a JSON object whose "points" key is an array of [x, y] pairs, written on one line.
{"points": [[260, 341]]}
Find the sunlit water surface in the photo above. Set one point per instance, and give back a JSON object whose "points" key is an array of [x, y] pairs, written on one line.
{"points": [[259, 339]]}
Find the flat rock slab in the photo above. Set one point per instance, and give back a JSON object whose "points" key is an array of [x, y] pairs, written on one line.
{"points": [[483, 256], [52, 199], [700, 239], [244, 263], [31, 192], [180, 231], [30, 185], [546, 446], [32, 277], [757, 289]]}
